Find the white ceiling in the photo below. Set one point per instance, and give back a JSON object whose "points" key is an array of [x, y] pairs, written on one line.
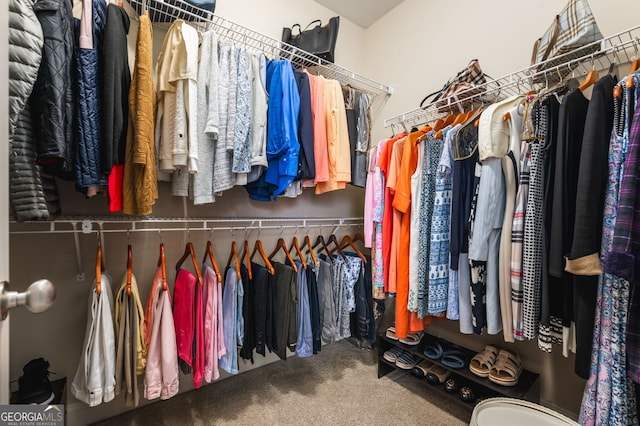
{"points": [[361, 12]]}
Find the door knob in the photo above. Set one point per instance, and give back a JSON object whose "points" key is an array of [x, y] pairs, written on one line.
{"points": [[38, 298]]}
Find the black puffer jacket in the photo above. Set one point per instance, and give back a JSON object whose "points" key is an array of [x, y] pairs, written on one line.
{"points": [[87, 169], [53, 94], [25, 186]]}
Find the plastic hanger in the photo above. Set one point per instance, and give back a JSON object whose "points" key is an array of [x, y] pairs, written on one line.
{"points": [[162, 263], [282, 245], [348, 242], [307, 243], [257, 247], [129, 268], [189, 251], [296, 245], [320, 240], [234, 256], [592, 77], [212, 259]]}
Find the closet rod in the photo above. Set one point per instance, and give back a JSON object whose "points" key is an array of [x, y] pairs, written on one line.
{"points": [[168, 11], [619, 48]]}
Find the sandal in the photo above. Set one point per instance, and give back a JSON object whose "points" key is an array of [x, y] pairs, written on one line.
{"points": [[482, 362], [506, 371], [438, 375], [422, 369], [412, 339], [391, 333], [407, 361], [392, 354]]}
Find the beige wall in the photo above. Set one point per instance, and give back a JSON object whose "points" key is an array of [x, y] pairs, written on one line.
{"points": [[415, 48]]}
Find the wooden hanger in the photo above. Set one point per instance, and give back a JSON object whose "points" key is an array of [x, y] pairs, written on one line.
{"points": [[333, 239], [358, 237], [307, 243], [129, 269], [348, 242], [99, 268], [162, 263], [295, 245], [320, 240], [257, 247], [592, 77], [282, 245], [189, 251], [439, 124], [245, 252], [635, 66], [209, 253], [234, 256]]}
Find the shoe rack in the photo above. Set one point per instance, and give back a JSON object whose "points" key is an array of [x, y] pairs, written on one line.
{"points": [[527, 388]]}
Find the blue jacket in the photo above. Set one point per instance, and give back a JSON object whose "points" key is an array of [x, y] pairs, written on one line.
{"points": [[88, 155], [282, 133]]}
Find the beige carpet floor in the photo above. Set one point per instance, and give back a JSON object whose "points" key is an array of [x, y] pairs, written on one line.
{"points": [[337, 387]]}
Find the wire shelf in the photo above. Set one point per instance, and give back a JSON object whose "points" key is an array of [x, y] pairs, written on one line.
{"points": [[167, 11], [618, 49]]}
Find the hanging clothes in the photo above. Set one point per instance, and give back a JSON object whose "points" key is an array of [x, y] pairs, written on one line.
{"points": [[314, 305], [241, 164], [230, 315], [213, 333], [161, 374], [612, 401], [208, 119], [89, 177], [550, 330], [53, 99], [115, 81], [140, 186], [320, 149], [184, 292], [328, 318], [131, 352], [94, 381], [258, 131], [223, 178], [285, 296], [304, 338], [259, 287], [339, 155], [306, 157], [465, 156], [510, 167], [248, 314]]}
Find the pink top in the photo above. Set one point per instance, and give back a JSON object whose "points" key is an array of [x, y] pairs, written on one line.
{"points": [[213, 338], [86, 25]]}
